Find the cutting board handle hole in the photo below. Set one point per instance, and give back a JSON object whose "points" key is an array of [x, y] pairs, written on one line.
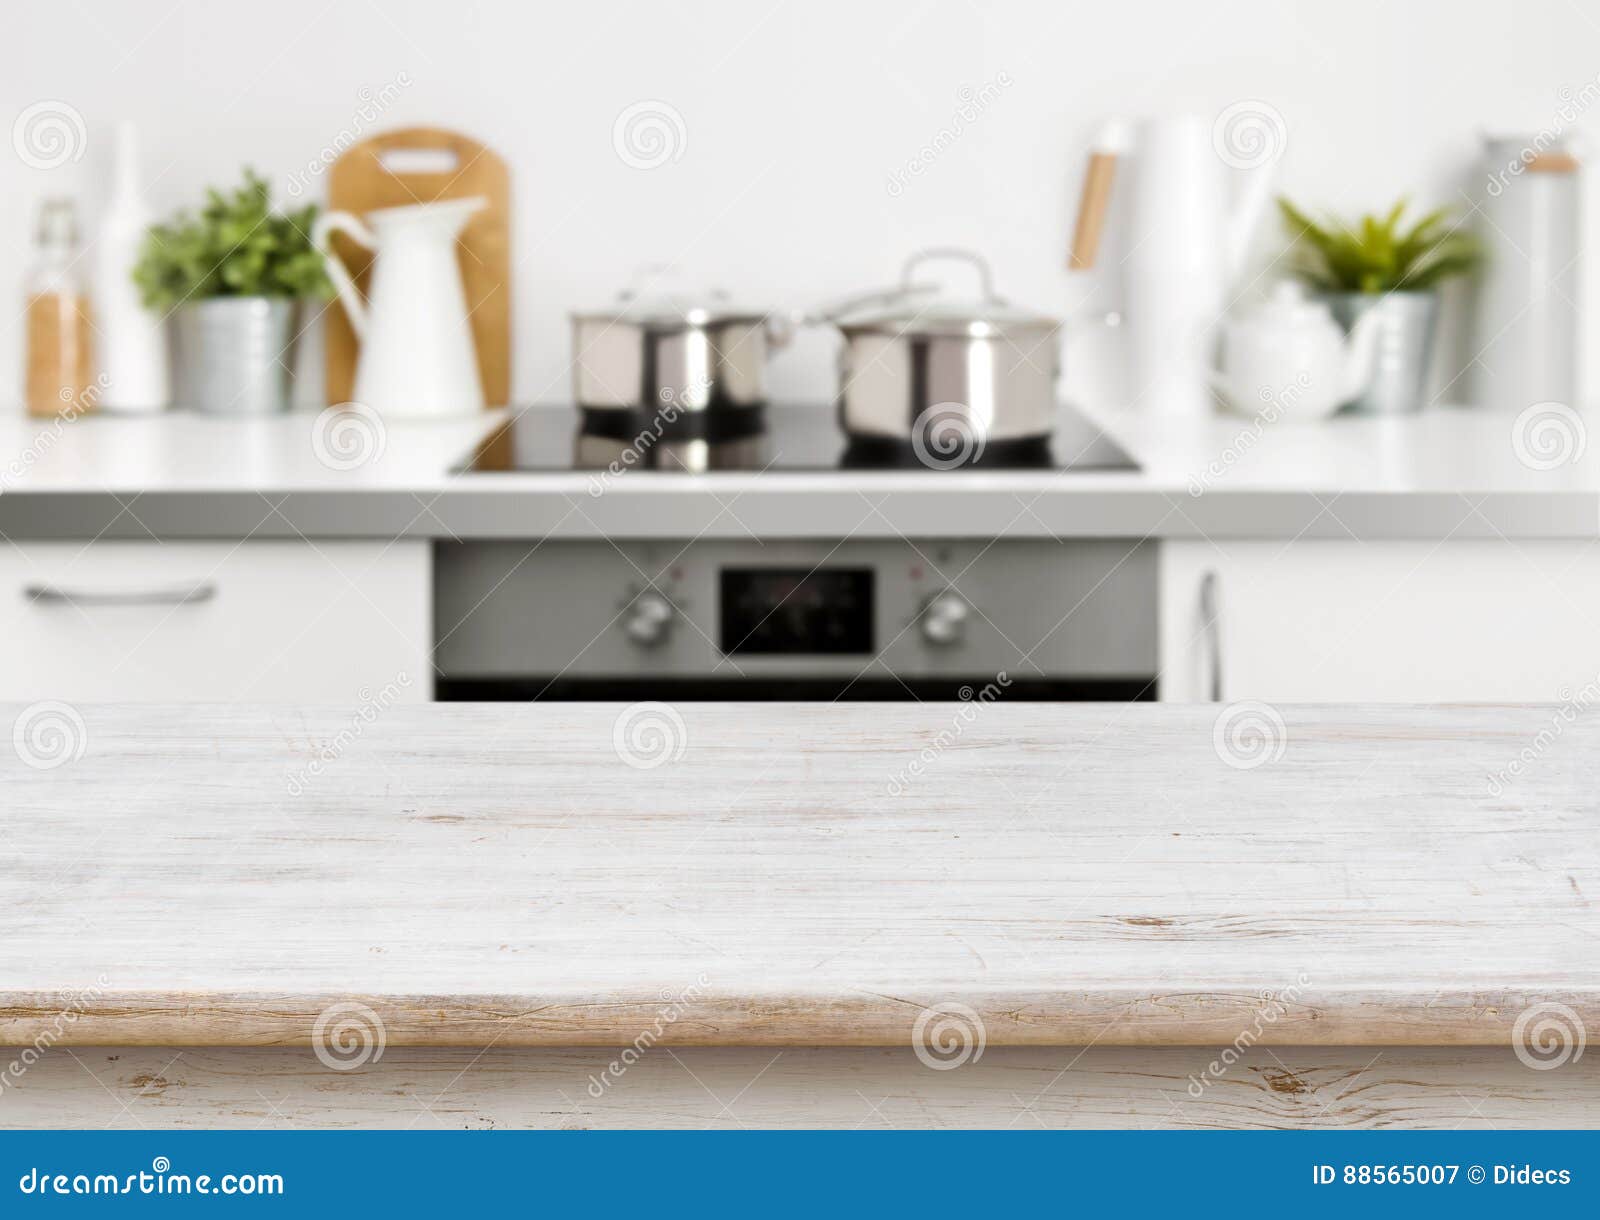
{"points": [[403, 161]]}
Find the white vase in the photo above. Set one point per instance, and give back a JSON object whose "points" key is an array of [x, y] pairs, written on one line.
{"points": [[130, 340]]}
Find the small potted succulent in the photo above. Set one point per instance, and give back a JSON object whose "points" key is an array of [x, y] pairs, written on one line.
{"points": [[231, 276], [1381, 264]]}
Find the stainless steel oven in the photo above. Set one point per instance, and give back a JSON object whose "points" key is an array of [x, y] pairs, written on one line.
{"points": [[823, 619]]}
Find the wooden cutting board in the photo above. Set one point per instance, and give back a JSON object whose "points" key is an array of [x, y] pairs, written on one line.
{"points": [[420, 165]]}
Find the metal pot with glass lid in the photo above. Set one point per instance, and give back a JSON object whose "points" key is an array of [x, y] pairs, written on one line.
{"points": [[695, 363], [946, 377]]}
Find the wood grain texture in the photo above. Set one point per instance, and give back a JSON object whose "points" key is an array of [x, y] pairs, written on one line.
{"points": [[360, 182], [737, 1087], [800, 875]]}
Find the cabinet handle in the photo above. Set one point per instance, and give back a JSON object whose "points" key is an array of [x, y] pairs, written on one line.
{"points": [[1213, 635], [178, 595]]}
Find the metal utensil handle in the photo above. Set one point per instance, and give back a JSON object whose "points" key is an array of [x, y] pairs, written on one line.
{"points": [[180, 595], [972, 257], [1213, 635]]}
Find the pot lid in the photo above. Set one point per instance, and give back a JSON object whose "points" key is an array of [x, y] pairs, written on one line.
{"points": [[920, 308], [658, 299]]}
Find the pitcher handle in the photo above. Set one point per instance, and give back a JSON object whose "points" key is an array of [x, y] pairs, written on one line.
{"points": [[349, 296]]}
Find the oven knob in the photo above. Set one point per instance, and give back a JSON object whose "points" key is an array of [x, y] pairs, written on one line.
{"points": [[944, 618], [648, 619]]}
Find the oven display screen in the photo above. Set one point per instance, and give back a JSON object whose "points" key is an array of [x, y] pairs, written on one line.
{"points": [[796, 611]]}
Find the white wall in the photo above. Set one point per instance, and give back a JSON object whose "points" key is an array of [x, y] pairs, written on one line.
{"points": [[796, 112]]}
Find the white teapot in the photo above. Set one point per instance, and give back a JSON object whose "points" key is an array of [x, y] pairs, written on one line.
{"points": [[1288, 359]]}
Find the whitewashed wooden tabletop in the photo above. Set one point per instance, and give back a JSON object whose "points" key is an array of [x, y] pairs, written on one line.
{"points": [[798, 874]]}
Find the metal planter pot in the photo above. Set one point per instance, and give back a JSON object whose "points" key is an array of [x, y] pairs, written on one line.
{"points": [[1406, 323], [233, 355]]}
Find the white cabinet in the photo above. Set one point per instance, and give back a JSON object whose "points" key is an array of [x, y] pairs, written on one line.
{"points": [[1349, 621], [262, 622]]}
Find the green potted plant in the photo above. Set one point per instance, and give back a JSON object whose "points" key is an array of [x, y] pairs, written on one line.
{"points": [[1381, 264], [231, 276]]}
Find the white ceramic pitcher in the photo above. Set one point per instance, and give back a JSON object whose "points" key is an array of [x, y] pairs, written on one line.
{"points": [[417, 359], [1191, 215]]}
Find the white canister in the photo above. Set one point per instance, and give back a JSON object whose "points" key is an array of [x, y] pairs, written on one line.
{"points": [[1525, 339]]}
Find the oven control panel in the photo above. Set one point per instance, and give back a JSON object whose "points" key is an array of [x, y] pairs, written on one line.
{"points": [[797, 612], [796, 609]]}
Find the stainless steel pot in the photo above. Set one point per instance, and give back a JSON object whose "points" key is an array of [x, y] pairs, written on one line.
{"points": [[948, 375], [699, 354]]}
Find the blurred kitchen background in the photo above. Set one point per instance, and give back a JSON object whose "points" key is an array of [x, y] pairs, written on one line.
{"points": [[790, 178]]}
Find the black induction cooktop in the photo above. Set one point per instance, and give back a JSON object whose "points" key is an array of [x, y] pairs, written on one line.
{"points": [[778, 438]]}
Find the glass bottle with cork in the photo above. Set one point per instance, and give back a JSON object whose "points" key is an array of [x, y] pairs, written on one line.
{"points": [[59, 376]]}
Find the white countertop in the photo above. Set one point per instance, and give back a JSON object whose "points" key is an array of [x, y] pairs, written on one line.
{"points": [[1066, 874], [1449, 471]]}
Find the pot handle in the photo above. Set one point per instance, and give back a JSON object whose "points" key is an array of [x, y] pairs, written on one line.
{"points": [[970, 257], [349, 296], [841, 307]]}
